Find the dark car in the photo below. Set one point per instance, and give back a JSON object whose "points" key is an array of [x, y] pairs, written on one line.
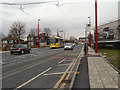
{"points": [[20, 48]]}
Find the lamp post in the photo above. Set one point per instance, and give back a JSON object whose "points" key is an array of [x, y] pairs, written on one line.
{"points": [[89, 25], [90, 39], [61, 33], [96, 49], [38, 34]]}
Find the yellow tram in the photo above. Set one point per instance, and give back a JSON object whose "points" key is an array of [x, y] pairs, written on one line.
{"points": [[56, 42]]}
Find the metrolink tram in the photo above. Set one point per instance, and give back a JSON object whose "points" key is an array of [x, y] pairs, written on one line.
{"points": [[56, 42]]}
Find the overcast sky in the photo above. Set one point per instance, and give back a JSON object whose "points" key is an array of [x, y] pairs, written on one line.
{"points": [[71, 16]]}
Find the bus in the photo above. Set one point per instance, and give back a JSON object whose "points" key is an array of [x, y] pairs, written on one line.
{"points": [[56, 42]]}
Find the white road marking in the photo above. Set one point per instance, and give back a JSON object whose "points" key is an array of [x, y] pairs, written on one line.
{"points": [[61, 61], [56, 73], [32, 79], [30, 54], [68, 60], [20, 57]]}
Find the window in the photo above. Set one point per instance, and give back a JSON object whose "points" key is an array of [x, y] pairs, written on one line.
{"points": [[5, 41], [56, 40], [28, 43], [11, 41], [52, 40], [31, 43], [11, 45], [31, 38], [4, 46]]}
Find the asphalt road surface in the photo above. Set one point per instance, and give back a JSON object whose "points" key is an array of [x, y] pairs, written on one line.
{"points": [[42, 68]]}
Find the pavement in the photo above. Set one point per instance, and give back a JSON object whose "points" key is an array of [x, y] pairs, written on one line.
{"points": [[98, 73]]}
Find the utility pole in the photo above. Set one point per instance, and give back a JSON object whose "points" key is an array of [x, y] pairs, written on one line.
{"points": [[89, 25], [61, 32], [96, 49], [90, 39], [38, 34], [86, 36], [64, 36]]}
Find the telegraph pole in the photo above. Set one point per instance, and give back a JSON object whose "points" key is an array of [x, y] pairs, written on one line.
{"points": [[96, 48], [38, 34]]}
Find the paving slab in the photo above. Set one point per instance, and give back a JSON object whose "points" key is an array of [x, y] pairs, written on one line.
{"points": [[101, 74]]}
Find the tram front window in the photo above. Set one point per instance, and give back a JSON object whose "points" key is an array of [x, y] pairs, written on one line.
{"points": [[52, 40]]}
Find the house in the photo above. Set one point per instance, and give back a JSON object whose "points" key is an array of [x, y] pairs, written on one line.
{"points": [[7, 42], [33, 40], [44, 39]]}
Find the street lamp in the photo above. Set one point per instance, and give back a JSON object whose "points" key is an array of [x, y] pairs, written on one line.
{"points": [[38, 34], [89, 25], [61, 33], [96, 49]]}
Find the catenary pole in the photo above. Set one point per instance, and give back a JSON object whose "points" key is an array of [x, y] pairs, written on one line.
{"points": [[38, 34], [96, 46]]}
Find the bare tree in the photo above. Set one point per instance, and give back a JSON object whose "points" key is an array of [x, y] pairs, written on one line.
{"points": [[1, 35], [33, 31], [17, 30], [72, 38], [47, 31]]}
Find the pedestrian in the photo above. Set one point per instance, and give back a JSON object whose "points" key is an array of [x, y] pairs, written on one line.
{"points": [[86, 48], [85, 51]]}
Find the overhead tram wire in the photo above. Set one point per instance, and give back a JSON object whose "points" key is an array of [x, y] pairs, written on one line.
{"points": [[30, 3], [57, 5], [24, 12], [21, 4]]}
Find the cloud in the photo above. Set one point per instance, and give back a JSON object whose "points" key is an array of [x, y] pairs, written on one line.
{"points": [[71, 17]]}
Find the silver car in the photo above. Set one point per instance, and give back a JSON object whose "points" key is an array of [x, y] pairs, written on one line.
{"points": [[68, 46]]}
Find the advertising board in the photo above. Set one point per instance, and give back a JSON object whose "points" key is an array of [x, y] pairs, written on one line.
{"points": [[109, 31]]}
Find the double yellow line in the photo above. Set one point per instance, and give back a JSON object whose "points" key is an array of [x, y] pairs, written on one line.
{"points": [[67, 77]]}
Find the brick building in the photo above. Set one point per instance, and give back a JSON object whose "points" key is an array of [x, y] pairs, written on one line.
{"points": [[7, 43], [33, 40]]}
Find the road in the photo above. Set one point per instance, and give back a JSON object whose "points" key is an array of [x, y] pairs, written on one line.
{"points": [[42, 68]]}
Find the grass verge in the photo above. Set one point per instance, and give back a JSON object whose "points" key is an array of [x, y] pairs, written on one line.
{"points": [[112, 55]]}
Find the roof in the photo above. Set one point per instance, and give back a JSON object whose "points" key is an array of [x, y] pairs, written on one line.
{"points": [[55, 37], [12, 38]]}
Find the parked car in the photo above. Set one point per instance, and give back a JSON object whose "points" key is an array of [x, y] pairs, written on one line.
{"points": [[68, 46], [20, 48]]}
